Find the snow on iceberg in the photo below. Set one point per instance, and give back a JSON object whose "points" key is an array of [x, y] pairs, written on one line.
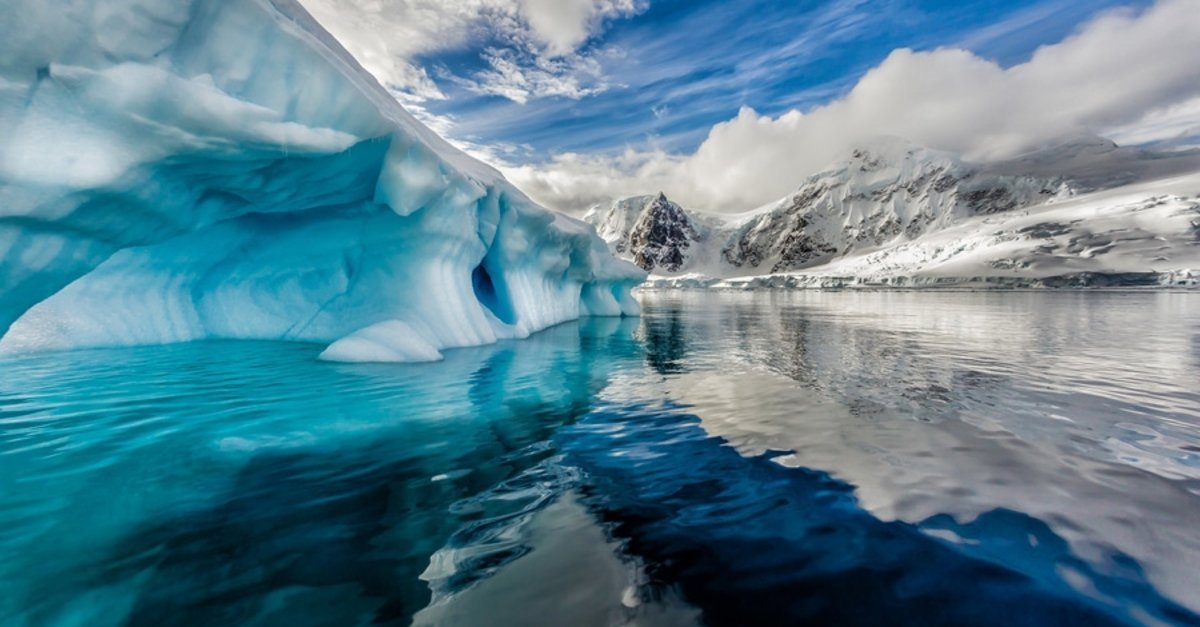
{"points": [[173, 170]]}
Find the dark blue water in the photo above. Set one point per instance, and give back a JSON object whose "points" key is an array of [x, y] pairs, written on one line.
{"points": [[859, 458]]}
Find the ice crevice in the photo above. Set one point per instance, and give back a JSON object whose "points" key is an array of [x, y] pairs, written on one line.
{"points": [[181, 170]]}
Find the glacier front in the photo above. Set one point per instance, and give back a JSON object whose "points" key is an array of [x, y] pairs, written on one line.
{"points": [[175, 170]]}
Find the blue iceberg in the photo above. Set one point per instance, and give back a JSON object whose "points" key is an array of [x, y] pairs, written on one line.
{"points": [[177, 170]]}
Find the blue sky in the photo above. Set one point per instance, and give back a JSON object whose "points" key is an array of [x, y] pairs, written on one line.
{"points": [[727, 103], [670, 72]]}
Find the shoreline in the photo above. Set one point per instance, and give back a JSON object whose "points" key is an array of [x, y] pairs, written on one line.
{"points": [[1175, 280]]}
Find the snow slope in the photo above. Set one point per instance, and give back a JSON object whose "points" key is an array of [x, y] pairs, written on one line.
{"points": [[897, 214], [174, 170], [1140, 235]]}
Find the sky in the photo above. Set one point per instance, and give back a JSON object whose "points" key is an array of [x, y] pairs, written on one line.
{"points": [[729, 104]]}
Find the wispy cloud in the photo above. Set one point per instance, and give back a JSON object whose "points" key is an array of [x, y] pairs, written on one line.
{"points": [[521, 77], [1175, 124], [1011, 26], [727, 104], [531, 48], [1124, 70], [709, 60]]}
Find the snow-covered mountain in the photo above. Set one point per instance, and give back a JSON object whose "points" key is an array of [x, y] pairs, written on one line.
{"points": [[653, 232], [887, 196], [174, 171]]}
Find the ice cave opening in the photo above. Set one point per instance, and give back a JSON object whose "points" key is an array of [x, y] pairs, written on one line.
{"points": [[488, 295]]}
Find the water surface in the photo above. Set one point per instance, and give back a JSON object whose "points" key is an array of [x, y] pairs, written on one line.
{"points": [[826, 458]]}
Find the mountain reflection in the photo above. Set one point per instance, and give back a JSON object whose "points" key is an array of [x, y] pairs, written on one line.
{"points": [[766, 459]]}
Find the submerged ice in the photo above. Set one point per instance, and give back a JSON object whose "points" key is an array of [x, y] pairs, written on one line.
{"points": [[178, 170]]}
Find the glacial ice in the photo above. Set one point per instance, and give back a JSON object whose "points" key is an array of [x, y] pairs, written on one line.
{"points": [[174, 170], [390, 340]]}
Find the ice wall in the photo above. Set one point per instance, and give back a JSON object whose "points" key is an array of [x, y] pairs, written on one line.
{"points": [[173, 170]]}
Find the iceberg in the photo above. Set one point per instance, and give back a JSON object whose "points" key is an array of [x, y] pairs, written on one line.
{"points": [[176, 170]]}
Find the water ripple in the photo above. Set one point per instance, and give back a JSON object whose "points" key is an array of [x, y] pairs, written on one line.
{"points": [[921, 458]]}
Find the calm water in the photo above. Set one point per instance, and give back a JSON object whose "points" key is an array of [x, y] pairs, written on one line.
{"points": [[815, 458]]}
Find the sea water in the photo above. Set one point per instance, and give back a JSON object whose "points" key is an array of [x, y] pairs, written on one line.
{"points": [[842, 458]]}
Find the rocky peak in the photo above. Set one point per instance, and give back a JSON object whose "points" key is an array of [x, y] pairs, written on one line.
{"points": [[661, 235], [877, 195]]}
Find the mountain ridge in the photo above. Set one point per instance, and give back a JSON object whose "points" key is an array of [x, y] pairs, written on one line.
{"points": [[886, 195]]}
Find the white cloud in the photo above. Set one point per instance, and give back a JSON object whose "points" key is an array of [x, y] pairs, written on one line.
{"points": [[522, 77], [384, 36], [563, 25], [541, 40], [1118, 69], [1176, 123]]}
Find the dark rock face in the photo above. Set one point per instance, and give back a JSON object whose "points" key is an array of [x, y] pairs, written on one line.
{"points": [[661, 235], [743, 252], [1047, 230], [784, 234], [989, 200], [876, 198], [800, 251]]}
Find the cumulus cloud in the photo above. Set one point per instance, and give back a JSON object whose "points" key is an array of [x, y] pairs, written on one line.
{"points": [[539, 53], [1121, 68]]}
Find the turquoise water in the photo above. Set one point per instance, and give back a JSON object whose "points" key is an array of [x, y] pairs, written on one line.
{"points": [[826, 458]]}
